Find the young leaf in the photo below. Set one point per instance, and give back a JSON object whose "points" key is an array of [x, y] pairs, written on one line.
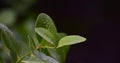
{"points": [[60, 35], [45, 34], [43, 20], [69, 40]]}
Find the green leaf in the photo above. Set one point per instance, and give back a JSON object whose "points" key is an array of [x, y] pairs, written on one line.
{"points": [[25, 48], [31, 43], [11, 44], [8, 38], [60, 35], [69, 40], [59, 53], [63, 50], [34, 59], [6, 29], [45, 34], [4, 56], [44, 21], [2, 59], [54, 54], [44, 57], [63, 53], [39, 57]]}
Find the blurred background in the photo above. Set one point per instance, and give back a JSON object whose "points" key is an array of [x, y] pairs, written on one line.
{"points": [[96, 20]]}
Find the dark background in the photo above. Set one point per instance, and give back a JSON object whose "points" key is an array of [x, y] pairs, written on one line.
{"points": [[96, 20]]}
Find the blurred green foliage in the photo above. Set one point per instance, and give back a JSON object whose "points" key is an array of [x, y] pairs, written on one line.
{"points": [[44, 45], [22, 40], [17, 11]]}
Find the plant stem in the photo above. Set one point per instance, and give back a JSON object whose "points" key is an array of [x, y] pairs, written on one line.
{"points": [[48, 47], [23, 57]]}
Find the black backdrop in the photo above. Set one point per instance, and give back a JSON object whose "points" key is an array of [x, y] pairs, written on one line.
{"points": [[96, 20]]}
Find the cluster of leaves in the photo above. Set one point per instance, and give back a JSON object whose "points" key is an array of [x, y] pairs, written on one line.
{"points": [[44, 45]]}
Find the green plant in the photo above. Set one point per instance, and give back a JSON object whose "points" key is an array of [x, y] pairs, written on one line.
{"points": [[44, 45]]}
